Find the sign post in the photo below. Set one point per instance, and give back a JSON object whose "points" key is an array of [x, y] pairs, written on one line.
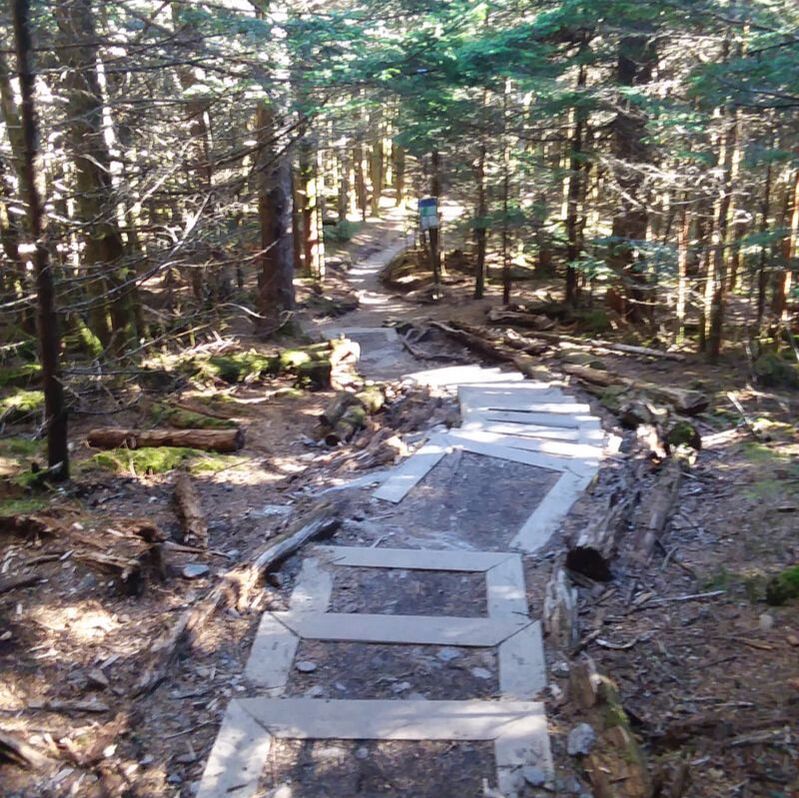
{"points": [[429, 223]]}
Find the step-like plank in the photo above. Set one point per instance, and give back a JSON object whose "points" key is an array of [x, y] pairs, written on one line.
{"points": [[364, 719], [581, 451], [462, 375], [437, 630], [414, 559], [522, 667], [548, 516], [413, 470]]}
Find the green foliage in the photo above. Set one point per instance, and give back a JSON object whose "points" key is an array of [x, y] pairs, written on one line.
{"points": [[342, 231], [152, 460], [23, 506], [783, 587], [777, 370], [22, 375], [21, 405], [163, 413], [20, 447]]}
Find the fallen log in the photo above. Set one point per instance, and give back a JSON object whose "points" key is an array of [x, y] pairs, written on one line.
{"points": [[657, 509], [527, 320], [347, 414], [235, 589], [345, 428], [476, 340], [189, 513], [561, 621], [534, 321], [684, 401], [616, 765], [593, 549], [213, 440], [336, 408]]}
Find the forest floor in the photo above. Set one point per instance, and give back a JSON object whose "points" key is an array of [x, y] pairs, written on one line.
{"points": [[711, 684]]}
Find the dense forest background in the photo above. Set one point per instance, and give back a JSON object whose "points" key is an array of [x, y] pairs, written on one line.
{"points": [[193, 159]]}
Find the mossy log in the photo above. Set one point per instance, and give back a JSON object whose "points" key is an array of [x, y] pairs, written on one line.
{"points": [[616, 766], [315, 375], [223, 440], [183, 418], [312, 365], [336, 409], [347, 413], [345, 428]]}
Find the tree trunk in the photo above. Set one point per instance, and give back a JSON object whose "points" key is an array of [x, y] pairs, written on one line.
{"points": [[717, 285], [480, 224], [360, 181], [636, 60], [762, 273], [574, 192], [343, 196], [683, 244], [789, 246], [376, 163], [309, 191], [49, 340], [433, 233], [398, 157], [103, 248], [506, 273], [276, 259]]}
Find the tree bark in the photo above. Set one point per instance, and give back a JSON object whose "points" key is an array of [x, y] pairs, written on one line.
{"points": [[636, 60], [103, 248], [47, 318], [276, 260], [575, 191], [223, 440], [480, 224]]}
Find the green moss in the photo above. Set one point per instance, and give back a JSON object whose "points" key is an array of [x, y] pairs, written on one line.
{"points": [[32, 504], [783, 587], [759, 453], [209, 464], [240, 366], [774, 371], [20, 375], [684, 434], [593, 320], [21, 404], [611, 397], [147, 460], [288, 393], [163, 413], [151, 460], [19, 447]]}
